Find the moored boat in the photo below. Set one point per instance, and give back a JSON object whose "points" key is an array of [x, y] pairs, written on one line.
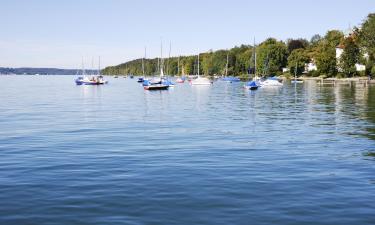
{"points": [[200, 80], [180, 80], [251, 85], [271, 82], [92, 80], [95, 80], [296, 81]]}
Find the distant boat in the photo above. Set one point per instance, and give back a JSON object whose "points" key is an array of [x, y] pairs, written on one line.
{"points": [[295, 80], [95, 80], [253, 85], [180, 80], [200, 80], [271, 82], [165, 79], [92, 80], [168, 82], [229, 79], [140, 80], [157, 83]]}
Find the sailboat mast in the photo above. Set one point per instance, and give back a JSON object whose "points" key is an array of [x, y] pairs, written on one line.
{"points": [[99, 66], [161, 58], [255, 58], [83, 68], [226, 66], [92, 66], [178, 66], [158, 68], [143, 63], [169, 57], [144, 66], [198, 64]]}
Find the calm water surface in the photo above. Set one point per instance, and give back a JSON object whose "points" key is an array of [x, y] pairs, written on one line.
{"points": [[117, 154]]}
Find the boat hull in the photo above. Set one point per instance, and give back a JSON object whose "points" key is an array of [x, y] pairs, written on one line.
{"points": [[156, 87]]}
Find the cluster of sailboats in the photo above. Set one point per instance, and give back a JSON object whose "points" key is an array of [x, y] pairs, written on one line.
{"points": [[85, 79], [163, 82]]}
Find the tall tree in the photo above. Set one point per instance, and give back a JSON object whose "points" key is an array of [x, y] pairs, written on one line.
{"points": [[298, 58], [271, 56], [315, 39], [325, 58], [296, 44], [349, 57], [367, 41], [334, 37]]}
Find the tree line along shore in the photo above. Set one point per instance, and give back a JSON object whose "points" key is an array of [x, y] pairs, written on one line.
{"points": [[337, 54]]}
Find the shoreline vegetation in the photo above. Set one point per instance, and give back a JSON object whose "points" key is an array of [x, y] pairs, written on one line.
{"points": [[338, 54]]}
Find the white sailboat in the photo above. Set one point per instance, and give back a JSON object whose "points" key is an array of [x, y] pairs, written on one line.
{"points": [[295, 80], [200, 80]]}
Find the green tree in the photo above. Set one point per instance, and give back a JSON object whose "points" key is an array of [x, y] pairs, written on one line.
{"points": [[296, 44], [349, 57], [324, 53], [367, 35], [298, 58], [334, 37], [367, 42], [315, 39], [326, 59], [271, 56]]}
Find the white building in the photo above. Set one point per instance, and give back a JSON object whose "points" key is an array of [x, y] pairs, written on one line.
{"points": [[311, 66]]}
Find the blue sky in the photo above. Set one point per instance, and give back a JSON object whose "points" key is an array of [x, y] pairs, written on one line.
{"points": [[54, 33]]}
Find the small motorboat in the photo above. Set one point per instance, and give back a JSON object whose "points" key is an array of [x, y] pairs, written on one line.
{"points": [[252, 85]]}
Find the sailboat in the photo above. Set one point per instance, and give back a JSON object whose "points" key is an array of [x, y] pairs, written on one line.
{"points": [[295, 80], [93, 80], [157, 83], [142, 79], [253, 84], [165, 79], [182, 78], [200, 80], [271, 81], [229, 79]]}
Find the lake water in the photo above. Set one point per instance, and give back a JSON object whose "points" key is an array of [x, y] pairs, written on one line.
{"points": [[117, 154]]}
